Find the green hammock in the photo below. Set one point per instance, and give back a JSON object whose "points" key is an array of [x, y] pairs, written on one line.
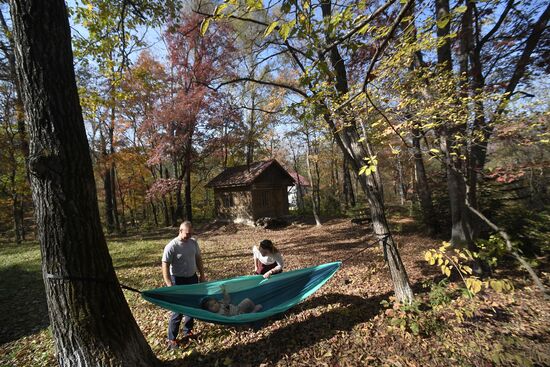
{"points": [[276, 294]]}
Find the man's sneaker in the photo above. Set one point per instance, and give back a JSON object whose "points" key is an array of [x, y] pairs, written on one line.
{"points": [[173, 345]]}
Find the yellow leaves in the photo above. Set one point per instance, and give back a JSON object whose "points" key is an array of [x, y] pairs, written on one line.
{"points": [[501, 285], [442, 23], [446, 262], [473, 284], [286, 28], [460, 9], [367, 170], [219, 9], [429, 257], [394, 151], [204, 26], [254, 4], [370, 168], [270, 29]]}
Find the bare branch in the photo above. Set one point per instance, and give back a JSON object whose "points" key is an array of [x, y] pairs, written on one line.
{"points": [[530, 45], [259, 109], [264, 82], [497, 25]]}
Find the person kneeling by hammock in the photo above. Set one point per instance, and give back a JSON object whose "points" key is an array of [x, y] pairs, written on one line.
{"points": [[267, 259], [225, 307]]}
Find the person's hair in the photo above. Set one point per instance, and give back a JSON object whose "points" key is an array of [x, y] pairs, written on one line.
{"points": [[205, 301], [186, 224], [268, 245]]}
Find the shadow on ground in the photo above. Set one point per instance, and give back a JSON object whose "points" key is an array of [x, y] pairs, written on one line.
{"points": [[291, 338], [23, 308]]}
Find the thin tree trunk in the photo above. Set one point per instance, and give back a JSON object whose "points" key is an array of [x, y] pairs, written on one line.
{"points": [[313, 201], [349, 196], [106, 178], [347, 138], [423, 191], [188, 202], [400, 181], [112, 189], [91, 322], [461, 232]]}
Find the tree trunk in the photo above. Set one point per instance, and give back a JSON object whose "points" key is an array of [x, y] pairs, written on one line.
{"points": [[188, 203], [347, 138], [423, 191], [106, 178], [401, 191], [91, 322], [461, 231], [112, 189], [349, 196], [315, 208]]}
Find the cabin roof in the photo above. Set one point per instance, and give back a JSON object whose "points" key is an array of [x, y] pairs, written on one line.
{"points": [[304, 182], [245, 175]]}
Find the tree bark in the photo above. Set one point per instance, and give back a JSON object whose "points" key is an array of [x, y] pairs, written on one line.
{"points": [[91, 322]]}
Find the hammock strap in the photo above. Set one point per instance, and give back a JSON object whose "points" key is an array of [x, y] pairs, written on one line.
{"points": [[88, 279], [382, 238]]}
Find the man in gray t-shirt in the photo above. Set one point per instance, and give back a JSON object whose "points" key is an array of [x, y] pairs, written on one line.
{"points": [[181, 260]]}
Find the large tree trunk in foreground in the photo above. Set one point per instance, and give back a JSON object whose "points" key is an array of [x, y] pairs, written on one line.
{"points": [[91, 322]]}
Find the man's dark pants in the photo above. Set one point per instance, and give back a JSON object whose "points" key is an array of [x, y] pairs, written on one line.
{"points": [[175, 318]]}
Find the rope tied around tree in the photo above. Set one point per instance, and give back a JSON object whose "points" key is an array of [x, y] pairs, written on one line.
{"points": [[50, 276], [88, 279], [382, 237]]}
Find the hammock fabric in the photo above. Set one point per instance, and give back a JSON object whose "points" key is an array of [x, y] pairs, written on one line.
{"points": [[276, 294]]}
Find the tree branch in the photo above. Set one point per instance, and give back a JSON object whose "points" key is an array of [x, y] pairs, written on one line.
{"points": [[369, 19], [493, 30], [264, 82], [510, 248], [380, 49], [521, 66]]}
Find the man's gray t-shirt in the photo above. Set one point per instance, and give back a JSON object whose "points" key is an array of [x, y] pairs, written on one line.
{"points": [[181, 255]]}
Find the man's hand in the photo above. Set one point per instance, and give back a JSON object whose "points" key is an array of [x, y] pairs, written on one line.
{"points": [[202, 278], [268, 274]]}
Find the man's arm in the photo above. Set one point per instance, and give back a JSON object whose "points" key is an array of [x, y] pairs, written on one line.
{"points": [[166, 274], [200, 268]]}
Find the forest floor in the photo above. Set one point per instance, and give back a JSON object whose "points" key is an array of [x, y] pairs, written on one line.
{"points": [[342, 324]]}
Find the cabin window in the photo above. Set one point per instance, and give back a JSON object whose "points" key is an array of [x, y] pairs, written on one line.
{"points": [[228, 200]]}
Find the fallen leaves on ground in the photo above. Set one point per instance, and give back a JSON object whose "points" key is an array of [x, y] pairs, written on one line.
{"points": [[342, 324]]}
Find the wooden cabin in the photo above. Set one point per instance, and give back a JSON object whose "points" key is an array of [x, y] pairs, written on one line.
{"points": [[244, 194]]}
